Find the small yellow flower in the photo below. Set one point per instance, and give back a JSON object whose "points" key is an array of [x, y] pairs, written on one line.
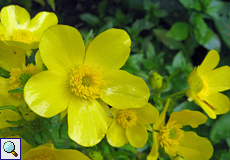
{"points": [[48, 152], [18, 30], [205, 84], [129, 125], [82, 80], [175, 141]]}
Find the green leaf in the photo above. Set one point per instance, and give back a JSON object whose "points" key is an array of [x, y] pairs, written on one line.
{"points": [[13, 108], [179, 31], [199, 24], [179, 60], [142, 24], [225, 156], [191, 4], [17, 90], [89, 36], [150, 52], [20, 121], [223, 24], [221, 128], [209, 41], [213, 9], [168, 41], [52, 4], [90, 19], [41, 2]]}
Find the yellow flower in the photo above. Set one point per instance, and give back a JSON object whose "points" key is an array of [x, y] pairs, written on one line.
{"points": [[48, 152], [76, 79], [175, 141], [129, 125], [205, 84], [18, 30]]}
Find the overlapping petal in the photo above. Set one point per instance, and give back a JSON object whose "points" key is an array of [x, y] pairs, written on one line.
{"points": [[62, 48], [109, 50], [218, 79], [87, 121], [47, 93], [209, 63], [195, 147], [41, 22], [116, 135], [137, 135], [123, 90], [14, 17], [11, 57], [187, 117], [147, 114]]}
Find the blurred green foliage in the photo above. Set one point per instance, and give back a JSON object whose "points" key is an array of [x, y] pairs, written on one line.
{"points": [[169, 37]]}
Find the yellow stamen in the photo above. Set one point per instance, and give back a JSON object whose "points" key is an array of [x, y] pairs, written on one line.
{"points": [[23, 35], [86, 82], [19, 77], [127, 118], [171, 134]]}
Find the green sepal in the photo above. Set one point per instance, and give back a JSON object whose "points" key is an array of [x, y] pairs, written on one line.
{"points": [[17, 90], [19, 122], [13, 108]]}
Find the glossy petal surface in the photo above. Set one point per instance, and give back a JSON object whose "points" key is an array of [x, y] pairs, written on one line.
{"points": [[62, 48], [87, 121], [116, 135], [187, 117], [209, 63], [109, 50], [137, 135], [147, 114], [41, 22], [218, 79], [14, 17], [10, 57], [39, 62], [47, 93], [123, 90], [195, 147]]}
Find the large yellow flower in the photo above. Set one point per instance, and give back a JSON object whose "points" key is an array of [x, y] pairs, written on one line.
{"points": [[82, 80], [205, 84], [175, 141], [18, 30], [129, 125]]}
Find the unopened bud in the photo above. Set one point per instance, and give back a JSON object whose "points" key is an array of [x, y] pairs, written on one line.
{"points": [[155, 80]]}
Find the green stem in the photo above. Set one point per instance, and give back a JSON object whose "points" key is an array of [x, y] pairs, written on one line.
{"points": [[172, 75], [181, 93], [142, 75]]}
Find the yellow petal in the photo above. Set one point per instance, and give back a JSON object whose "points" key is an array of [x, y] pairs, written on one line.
{"points": [[62, 48], [8, 115], [3, 30], [39, 62], [69, 154], [14, 17], [41, 22], [195, 82], [218, 102], [109, 50], [7, 98], [153, 155], [87, 121], [116, 135], [11, 57], [195, 147], [47, 93], [137, 135], [123, 90], [147, 114], [187, 117], [22, 45], [209, 63], [218, 79]]}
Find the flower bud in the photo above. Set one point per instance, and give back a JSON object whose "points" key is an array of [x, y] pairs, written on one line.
{"points": [[155, 80]]}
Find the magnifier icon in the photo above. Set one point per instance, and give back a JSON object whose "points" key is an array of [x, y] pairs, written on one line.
{"points": [[9, 147]]}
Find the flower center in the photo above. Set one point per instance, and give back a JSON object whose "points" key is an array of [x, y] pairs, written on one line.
{"points": [[23, 35], [127, 118], [171, 134], [19, 77], [86, 82]]}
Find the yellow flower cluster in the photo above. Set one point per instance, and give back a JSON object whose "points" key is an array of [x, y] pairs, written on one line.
{"points": [[85, 83]]}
